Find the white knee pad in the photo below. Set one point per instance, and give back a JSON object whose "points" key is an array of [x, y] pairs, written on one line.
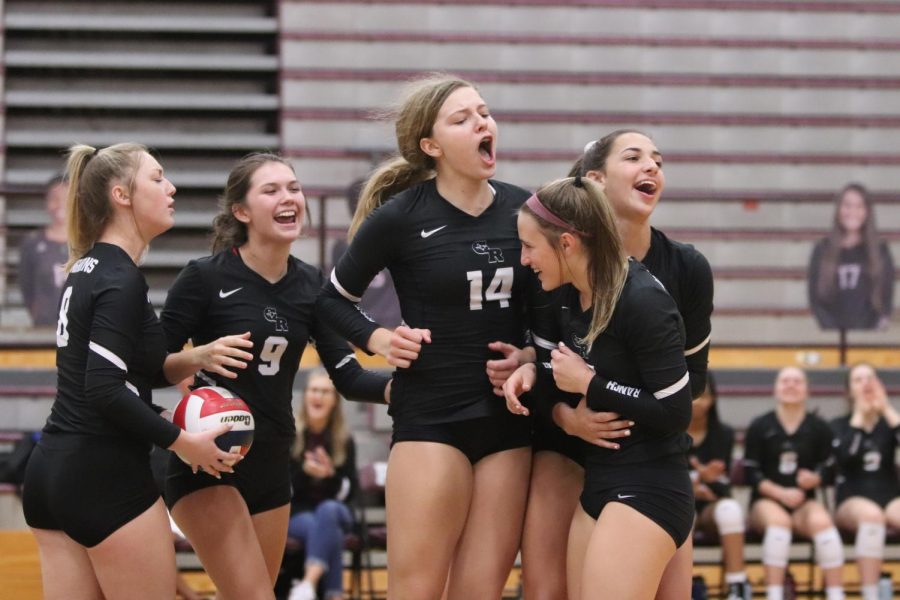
{"points": [[829, 548], [776, 546], [728, 516], [870, 540]]}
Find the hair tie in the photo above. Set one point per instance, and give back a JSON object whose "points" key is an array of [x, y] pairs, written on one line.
{"points": [[538, 208], [577, 182], [589, 146], [94, 153]]}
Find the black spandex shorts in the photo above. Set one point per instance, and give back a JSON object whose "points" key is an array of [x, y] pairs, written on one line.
{"points": [[476, 438], [881, 495], [263, 478], [660, 490], [87, 486], [549, 437]]}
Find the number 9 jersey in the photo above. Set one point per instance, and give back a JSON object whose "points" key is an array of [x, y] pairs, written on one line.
{"points": [[220, 295], [456, 274]]}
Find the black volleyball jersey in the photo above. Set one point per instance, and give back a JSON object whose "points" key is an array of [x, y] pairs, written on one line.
{"points": [[717, 445], [687, 276], [219, 295], [639, 364], [109, 350], [457, 275], [865, 459], [772, 453]]}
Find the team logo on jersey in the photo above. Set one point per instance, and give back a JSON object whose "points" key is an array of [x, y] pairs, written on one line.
{"points": [[495, 255], [581, 346], [271, 315]]}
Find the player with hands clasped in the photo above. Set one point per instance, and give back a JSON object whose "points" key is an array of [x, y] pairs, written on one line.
{"points": [[787, 455], [621, 348], [249, 311], [89, 494], [867, 490]]}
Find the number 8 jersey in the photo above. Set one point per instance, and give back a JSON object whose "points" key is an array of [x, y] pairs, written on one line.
{"points": [[457, 275], [220, 295]]}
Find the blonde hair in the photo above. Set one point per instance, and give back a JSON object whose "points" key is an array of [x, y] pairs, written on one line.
{"points": [[414, 119], [582, 204], [91, 173], [227, 230], [336, 430]]}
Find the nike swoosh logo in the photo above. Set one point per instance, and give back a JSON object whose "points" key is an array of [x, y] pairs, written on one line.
{"points": [[224, 294], [624, 496], [426, 234]]}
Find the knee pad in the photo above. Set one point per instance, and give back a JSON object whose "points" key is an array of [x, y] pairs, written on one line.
{"points": [[728, 516], [829, 548], [870, 540], [776, 546]]}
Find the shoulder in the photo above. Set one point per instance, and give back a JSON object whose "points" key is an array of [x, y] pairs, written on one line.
{"points": [[643, 287], [693, 264], [306, 272], [510, 194], [763, 420]]}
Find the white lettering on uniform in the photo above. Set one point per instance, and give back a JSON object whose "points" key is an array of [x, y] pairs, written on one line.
{"points": [[85, 265], [623, 389]]}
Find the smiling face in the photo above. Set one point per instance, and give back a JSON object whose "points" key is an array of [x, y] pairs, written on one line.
{"points": [[791, 386], [463, 138], [319, 399], [852, 212], [632, 176], [274, 206], [152, 198], [539, 254]]}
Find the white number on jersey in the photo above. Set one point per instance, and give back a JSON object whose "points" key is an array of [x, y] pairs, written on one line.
{"points": [[848, 276], [270, 357], [500, 288], [62, 326]]}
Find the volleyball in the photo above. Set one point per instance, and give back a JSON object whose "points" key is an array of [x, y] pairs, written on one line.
{"points": [[208, 407]]}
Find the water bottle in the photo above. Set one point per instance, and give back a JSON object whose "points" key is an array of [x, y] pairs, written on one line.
{"points": [[885, 587]]}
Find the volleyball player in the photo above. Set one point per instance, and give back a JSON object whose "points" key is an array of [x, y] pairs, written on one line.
{"points": [[89, 494], [249, 311], [459, 463], [867, 491], [787, 455], [629, 167], [622, 349]]}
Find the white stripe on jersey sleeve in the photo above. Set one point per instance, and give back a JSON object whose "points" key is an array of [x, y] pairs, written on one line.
{"points": [[341, 289], [206, 378], [698, 347], [345, 360], [543, 343], [133, 389], [108, 355], [666, 392]]}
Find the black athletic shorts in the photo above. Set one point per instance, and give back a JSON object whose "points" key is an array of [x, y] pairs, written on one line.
{"points": [[549, 437], [476, 438], [660, 490], [881, 495], [87, 486], [263, 478]]}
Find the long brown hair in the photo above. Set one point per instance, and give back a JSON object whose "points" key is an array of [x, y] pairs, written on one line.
{"points": [[582, 203], [227, 230], [91, 173], [413, 120], [336, 431], [826, 286]]}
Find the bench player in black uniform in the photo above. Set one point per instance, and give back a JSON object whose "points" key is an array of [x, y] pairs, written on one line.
{"points": [[622, 349], [867, 490], [717, 512], [249, 310], [459, 463], [89, 494], [787, 457], [629, 166]]}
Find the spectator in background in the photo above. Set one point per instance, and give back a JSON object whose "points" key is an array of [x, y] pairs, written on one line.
{"points": [[323, 475], [42, 257], [867, 494], [851, 272], [787, 456], [717, 511], [379, 301]]}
